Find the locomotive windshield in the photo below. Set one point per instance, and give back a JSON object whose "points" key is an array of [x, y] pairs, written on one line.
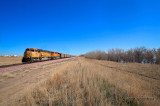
{"points": [[30, 50]]}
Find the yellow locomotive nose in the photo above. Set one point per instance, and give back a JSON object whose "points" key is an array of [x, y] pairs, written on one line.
{"points": [[27, 54]]}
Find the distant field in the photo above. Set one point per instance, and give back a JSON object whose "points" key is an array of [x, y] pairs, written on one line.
{"points": [[86, 82], [10, 60]]}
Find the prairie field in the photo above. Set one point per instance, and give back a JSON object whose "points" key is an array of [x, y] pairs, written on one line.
{"points": [[10, 60], [86, 82]]}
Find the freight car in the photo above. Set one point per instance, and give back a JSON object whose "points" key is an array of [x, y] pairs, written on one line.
{"points": [[32, 54]]}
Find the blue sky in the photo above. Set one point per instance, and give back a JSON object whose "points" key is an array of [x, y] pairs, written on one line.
{"points": [[78, 26]]}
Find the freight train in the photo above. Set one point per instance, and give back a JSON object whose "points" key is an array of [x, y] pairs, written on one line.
{"points": [[32, 55]]}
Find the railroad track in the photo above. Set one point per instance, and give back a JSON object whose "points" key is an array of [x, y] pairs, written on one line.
{"points": [[12, 65], [20, 66], [23, 63]]}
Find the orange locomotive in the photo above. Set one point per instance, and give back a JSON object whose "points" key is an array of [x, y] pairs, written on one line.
{"points": [[32, 54], [55, 55]]}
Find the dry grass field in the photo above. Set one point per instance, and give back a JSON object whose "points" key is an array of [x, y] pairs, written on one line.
{"points": [[10, 60], [85, 82], [13, 83]]}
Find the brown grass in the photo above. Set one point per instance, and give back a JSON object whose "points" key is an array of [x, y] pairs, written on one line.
{"points": [[10, 60], [8, 75], [26, 71], [87, 82], [1, 80]]}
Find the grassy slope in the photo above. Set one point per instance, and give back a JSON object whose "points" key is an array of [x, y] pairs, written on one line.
{"points": [[93, 82]]}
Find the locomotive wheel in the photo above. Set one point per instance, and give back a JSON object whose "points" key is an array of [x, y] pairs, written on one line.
{"points": [[40, 58], [23, 60]]}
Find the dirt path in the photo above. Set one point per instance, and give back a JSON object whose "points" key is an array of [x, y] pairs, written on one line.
{"points": [[13, 83]]}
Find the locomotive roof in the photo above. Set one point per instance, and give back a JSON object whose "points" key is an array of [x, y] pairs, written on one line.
{"points": [[44, 50], [32, 48]]}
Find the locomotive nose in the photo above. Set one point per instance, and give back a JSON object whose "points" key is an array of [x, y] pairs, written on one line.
{"points": [[26, 54]]}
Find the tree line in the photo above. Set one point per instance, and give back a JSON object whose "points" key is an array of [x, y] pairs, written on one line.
{"points": [[139, 55]]}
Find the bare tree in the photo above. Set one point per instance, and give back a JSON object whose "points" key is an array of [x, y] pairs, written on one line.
{"points": [[130, 57], [158, 56], [112, 55], [149, 56], [139, 55], [100, 55]]}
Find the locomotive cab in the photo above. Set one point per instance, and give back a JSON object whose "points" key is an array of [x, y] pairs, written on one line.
{"points": [[30, 54]]}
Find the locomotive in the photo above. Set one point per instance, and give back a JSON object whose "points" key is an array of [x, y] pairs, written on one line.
{"points": [[32, 54]]}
